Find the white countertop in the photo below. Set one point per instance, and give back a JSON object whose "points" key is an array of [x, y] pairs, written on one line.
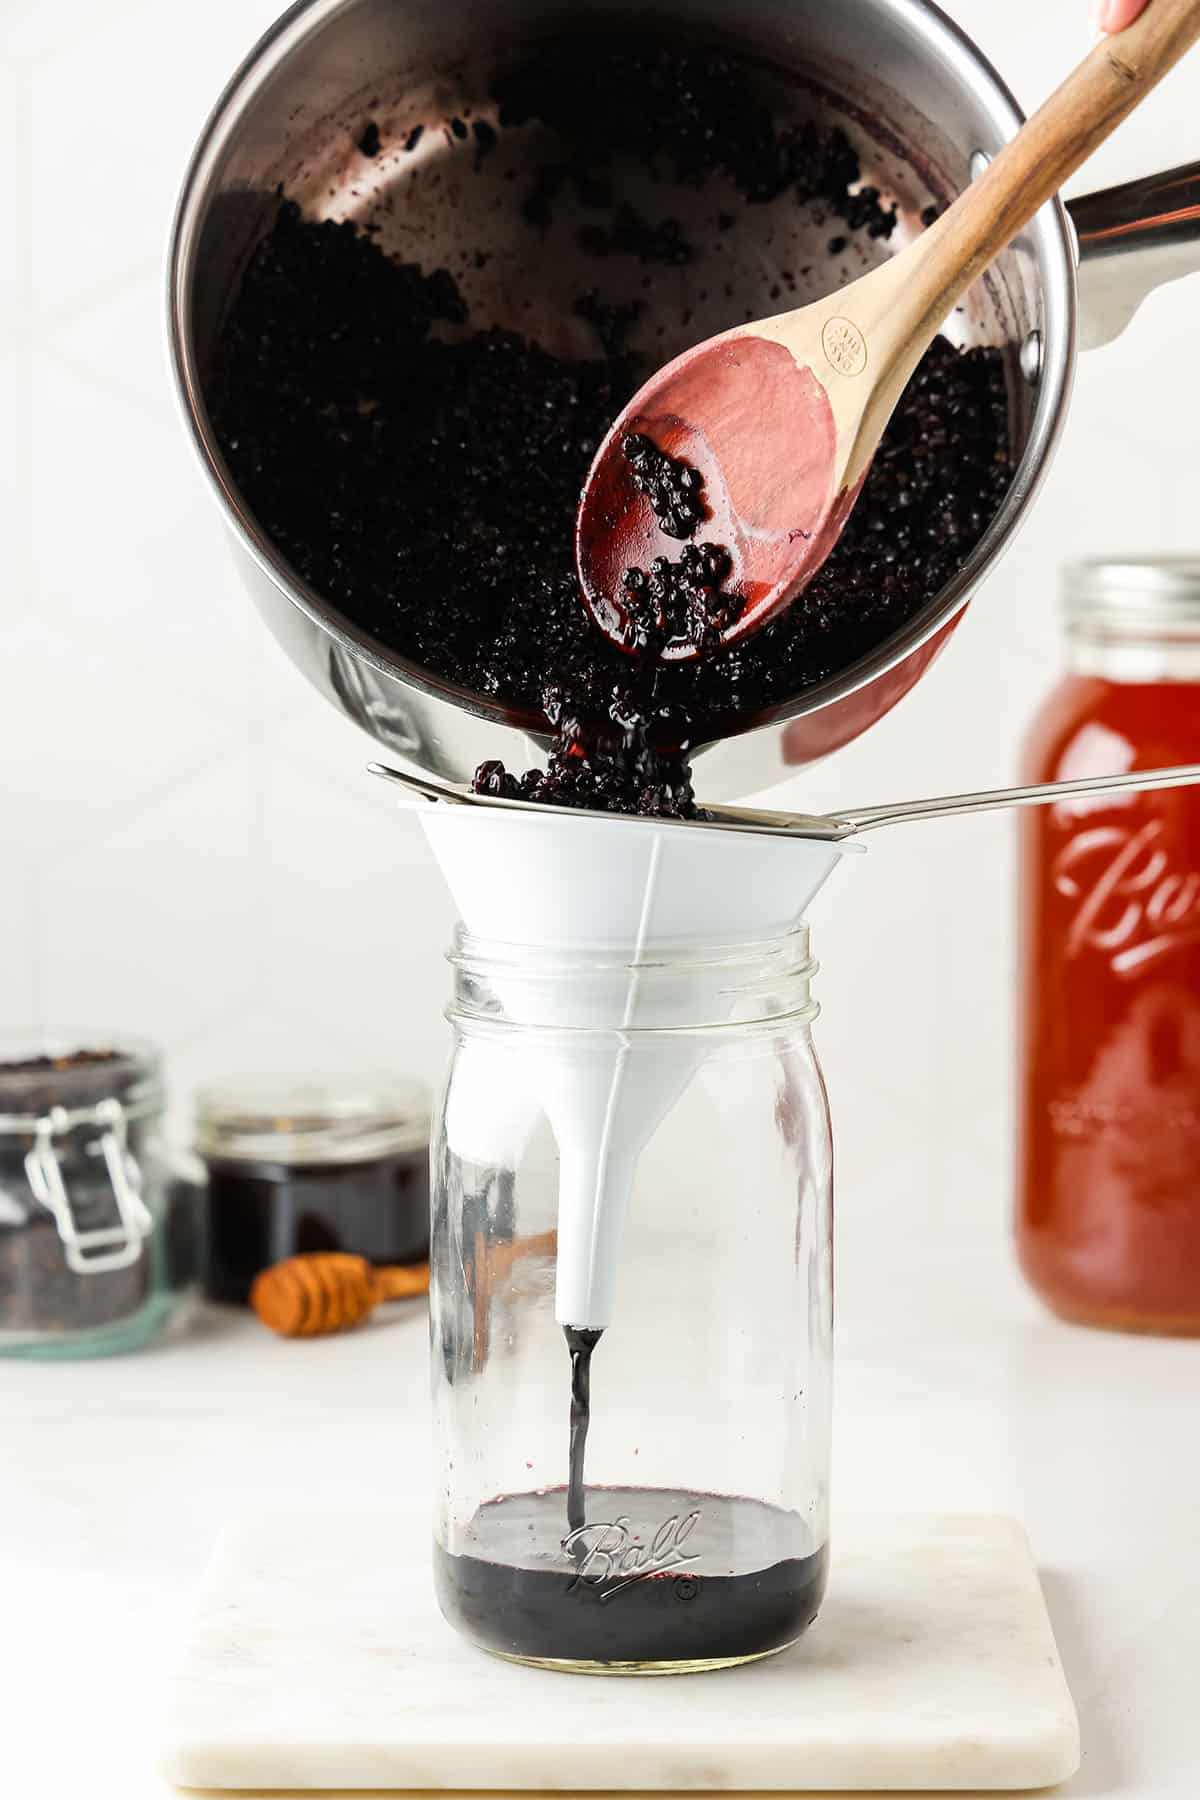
{"points": [[954, 1392]]}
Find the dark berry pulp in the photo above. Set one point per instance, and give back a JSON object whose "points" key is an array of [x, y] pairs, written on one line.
{"points": [[423, 476]]}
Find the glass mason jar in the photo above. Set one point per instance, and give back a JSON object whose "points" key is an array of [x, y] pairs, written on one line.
{"points": [[1108, 1212], [100, 1229], [674, 1517]]}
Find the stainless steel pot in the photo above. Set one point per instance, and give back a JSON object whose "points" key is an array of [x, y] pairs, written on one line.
{"points": [[924, 108]]}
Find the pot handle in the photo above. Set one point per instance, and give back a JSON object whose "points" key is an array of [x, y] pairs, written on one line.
{"points": [[1131, 239]]}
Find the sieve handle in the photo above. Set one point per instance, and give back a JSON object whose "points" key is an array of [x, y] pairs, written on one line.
{"points": [[938, 806], [426, 787], [836, 827]]}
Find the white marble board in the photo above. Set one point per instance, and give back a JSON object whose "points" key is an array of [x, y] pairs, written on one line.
{"points": [[318, 1659]]}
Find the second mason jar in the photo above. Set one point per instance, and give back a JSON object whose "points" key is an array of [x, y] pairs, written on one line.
{"points": [[653, 1496], [1108, 1216]]}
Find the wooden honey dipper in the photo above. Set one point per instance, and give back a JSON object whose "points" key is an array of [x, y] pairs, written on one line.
{"points": [[308, 1296]]}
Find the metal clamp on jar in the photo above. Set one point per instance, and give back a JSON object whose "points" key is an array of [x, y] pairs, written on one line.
{"points": [[105, 1246], [99, 1234]]}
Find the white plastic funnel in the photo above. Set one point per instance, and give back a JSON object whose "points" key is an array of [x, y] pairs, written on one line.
{"points": [[552, 886]]}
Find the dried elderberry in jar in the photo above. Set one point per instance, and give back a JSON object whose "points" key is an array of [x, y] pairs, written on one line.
{"points": [[100, 1228]]}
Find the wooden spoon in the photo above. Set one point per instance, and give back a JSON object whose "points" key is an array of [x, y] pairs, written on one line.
{"points": [[781, 418], [306, 1296]]}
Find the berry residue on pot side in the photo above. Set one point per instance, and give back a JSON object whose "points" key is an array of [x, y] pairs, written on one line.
{"points": [[427, 486]]}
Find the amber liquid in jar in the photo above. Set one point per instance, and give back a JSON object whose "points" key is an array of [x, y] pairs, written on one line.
{"points": [[1109, 1179]]}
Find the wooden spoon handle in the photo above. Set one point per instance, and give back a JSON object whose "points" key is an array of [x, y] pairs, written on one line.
{"points": [[1079, 115], [400, 1283]]}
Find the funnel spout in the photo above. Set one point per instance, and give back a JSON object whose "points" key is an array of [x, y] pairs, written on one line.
{"points": [[593, 1201]]}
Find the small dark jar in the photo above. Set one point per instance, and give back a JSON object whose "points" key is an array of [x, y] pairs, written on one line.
{"points": [[299, 1164]]}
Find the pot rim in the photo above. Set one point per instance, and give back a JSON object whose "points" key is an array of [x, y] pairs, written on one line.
{"points": [[1049, 232]]}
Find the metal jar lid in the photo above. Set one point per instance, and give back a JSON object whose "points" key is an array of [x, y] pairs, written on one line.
{"points": [[311, 1120], [1130, 597]]}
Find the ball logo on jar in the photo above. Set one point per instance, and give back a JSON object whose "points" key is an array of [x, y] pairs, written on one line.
{"points": [[1131, 906], [614, 1552]]}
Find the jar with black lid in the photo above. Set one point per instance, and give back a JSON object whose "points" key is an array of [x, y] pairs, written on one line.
{"points": [[100, 1226], [304, 1163]]}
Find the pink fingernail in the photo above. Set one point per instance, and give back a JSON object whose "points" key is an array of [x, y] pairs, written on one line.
{"points": [[1101, 13]]}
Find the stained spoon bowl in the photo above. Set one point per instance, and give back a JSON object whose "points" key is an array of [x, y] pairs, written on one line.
{"points": [[780, 419]]}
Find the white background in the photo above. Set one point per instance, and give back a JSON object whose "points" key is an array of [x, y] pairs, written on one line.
{"points": [[191, 848]]}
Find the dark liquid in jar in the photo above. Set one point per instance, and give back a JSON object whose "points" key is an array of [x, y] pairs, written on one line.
{"points": [[655, 1576], [628, 1575], [262, 1212]]}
